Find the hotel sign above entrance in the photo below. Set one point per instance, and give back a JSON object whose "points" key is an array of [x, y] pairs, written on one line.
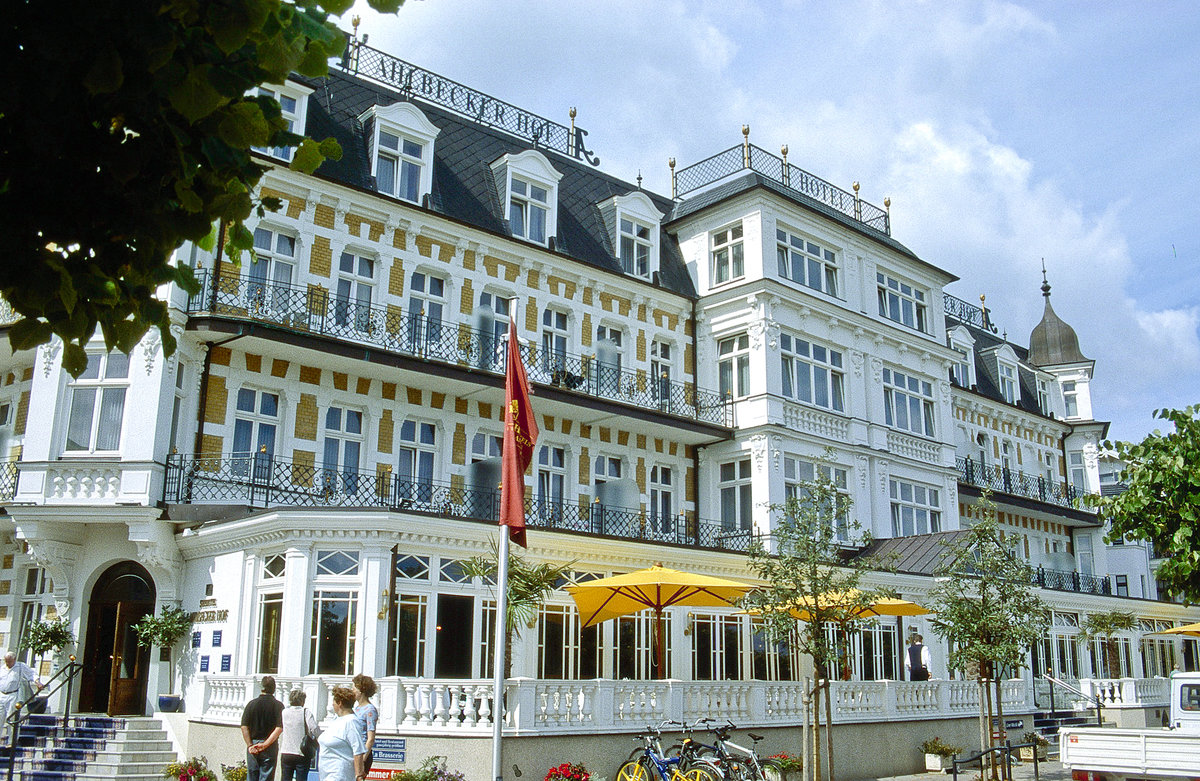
{"points": [[419, 83]]}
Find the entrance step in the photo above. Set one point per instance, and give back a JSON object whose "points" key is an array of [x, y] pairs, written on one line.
{"points": [[91, 748]]}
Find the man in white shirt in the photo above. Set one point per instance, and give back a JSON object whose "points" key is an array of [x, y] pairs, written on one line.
{"points": [[15, 678], [918, 660]]}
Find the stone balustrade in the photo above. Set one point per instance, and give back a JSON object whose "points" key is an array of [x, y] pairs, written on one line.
{"points": [[1128, 692]]}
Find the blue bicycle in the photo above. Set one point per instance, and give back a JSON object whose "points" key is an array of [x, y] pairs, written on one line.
{"points": [[654, 765]]}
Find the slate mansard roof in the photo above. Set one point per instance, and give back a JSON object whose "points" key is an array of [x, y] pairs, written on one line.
{"points": [[987, 379], [463, 185]]}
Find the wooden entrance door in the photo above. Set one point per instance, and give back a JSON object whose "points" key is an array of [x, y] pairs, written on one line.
{"points": [[127, 679]]}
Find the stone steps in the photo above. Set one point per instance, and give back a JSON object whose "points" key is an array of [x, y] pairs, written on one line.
{"points": [[91, 748]]}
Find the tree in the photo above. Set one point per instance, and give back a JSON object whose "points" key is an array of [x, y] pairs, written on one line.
{"points": [[529, 585], [1103, 627], [43, 636], [986, 608], [164, 630], [125, 129], [1161, 501], [807, 573]]}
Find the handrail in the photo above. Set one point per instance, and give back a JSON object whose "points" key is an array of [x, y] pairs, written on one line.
{"points": [[1006, 750], [1094, 698], [21, 712]]}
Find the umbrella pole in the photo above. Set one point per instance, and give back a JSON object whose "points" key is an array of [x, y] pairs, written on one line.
{"points": [[659, 651]]}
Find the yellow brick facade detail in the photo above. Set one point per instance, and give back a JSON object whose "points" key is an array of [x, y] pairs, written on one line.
{"points": [[586, 330], [531, 315], [461, 406], [211, 444], [303, 467], [396, 278], [388, 390], [320, 259], [363, 386], [323, 216], [220, 356], [458, 454], [387, 428], [640, 474], [437, 400], [310, 375], [339, 381], [279, 367], [467, 304], [218, 399], [424, 245], [468, 261], [641, 345], [485, 410], [306, 417], [22, 417], [585, 467], [253, 363], [414, 396], [689, 485], [623, 438], [533, 278]]}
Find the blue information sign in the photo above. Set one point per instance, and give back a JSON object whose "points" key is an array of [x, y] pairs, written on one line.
{"points": [[390, 750]]}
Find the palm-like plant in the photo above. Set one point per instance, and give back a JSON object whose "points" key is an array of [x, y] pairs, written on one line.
{"points": [[1104, 627]]}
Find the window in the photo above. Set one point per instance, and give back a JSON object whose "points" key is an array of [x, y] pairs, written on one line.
{"points": [[607, 468], [635, 248], [1008, 382], [661, 499], [608, 359], [960, 372], [1043, 392], [908, 403], [343, 445], [270, 619], [806, 262], [292, 101], [551, 481], [797, 472], [566, 650], [398, 166], [527, 207], [733, 366], [407, 640], [736, 495], [1078, 471], [485, 446], [356, 281], [332, 639], [1122, 585], [414, 472], [269, 286], [97, 406], [902, 303], [493, 344], [176, 409], [254, 425], [915, 509], [660, 372], [728, 261], [273, 567], [1070, 399], [811, 373], [716, 647], [426, 303], [771, 659], [554, 342], [635, 656], [37, 585]]}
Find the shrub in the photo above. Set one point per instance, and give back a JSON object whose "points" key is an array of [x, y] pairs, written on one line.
{"points": [[936, 746], [234, 772], [432, 769], [787, 762], [194, 769], [568, 772], [1036, 738]]}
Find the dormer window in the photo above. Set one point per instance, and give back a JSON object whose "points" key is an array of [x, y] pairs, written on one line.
{"points": [[529, 185], [632, 222], [1008, 382], [962, 371], [401, 139], [293, 101]]}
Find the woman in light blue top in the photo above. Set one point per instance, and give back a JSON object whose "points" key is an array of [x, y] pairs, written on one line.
{"points": [[366, 713], [342, 744]]}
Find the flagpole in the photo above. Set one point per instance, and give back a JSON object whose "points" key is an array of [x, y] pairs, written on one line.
{"points": [[500, 643]]}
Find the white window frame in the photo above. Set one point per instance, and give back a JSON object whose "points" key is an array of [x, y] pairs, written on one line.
{"points": [[962, 372], [340, 477], [727, 254], [100, 386], [1070, 392], [350, 303], [793, 249], [1010, 389], [551, 487], [800, 366], [735, 484], [639, 211], [555, 339], [532, 168], [413, 446], [425, 323], [662, 498], [406, 122], [256, 418], [485, 445], [296, 118], [798, 470], [733, 366], [899, 394], [903, 303], [270, 292], [925, 514]]}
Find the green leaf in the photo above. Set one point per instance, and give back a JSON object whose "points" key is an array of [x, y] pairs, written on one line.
{"points": [[74, 359], [187, 197], [243, 125], [331, 149], [386, 6], [194, 97], [106, 74], [27, 333], [208, 242], [308, 157]]}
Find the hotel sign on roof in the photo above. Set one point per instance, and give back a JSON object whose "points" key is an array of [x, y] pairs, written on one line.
{"points": [[478, 106]]}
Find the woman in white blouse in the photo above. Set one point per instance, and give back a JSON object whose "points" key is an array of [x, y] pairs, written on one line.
{"points": [[343, 747], [297, 720]]}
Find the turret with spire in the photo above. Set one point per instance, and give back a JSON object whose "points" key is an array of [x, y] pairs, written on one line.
{"points": [[1053, 342]]}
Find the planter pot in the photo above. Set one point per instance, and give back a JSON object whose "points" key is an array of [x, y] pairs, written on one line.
{"points": [[937, 763], [169, 703], [1026, 753]]}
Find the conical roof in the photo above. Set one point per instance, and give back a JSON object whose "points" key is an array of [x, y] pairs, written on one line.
{"points": [[1053, 342]]}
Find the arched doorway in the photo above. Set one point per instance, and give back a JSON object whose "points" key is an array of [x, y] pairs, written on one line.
{"points": [[115, 668]]}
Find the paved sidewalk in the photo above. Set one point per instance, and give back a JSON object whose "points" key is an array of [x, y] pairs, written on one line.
{"points": [[1051, 770]]}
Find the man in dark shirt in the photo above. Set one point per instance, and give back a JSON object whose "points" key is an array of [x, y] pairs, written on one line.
{"points": [[262, 724]]}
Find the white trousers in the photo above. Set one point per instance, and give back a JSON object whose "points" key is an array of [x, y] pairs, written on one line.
{"points": [[7, 701]]}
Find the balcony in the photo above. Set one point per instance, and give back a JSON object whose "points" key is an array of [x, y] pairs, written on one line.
{"points": [[1071, 581], [313, 311], [263, 480], [8, 480], [1017, 483]]}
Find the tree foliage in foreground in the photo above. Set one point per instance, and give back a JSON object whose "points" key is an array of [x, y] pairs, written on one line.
{"points": [[1161, 502], [125, 129]]}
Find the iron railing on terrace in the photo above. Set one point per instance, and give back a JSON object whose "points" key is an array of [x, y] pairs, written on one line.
{"points": [[8, 479], [1071, 581], [1017, 483], [967, 313], [264, 480], [750, 157], [315, 310]]}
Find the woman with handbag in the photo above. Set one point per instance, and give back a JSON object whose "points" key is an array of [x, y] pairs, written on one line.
{"points": [[342, 744], [298, 743]]}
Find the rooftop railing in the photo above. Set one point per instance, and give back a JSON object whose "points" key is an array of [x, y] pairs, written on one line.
{"points": [[8, 479], [265, 480], [967, 313], [1057, 580], [1017, 483], [315, 310], [753, 158]]}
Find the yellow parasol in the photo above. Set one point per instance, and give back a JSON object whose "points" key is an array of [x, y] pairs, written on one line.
{"points": [[1190, 630], [655, 588], [884, 606]]}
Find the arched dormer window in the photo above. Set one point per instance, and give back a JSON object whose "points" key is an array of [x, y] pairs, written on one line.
{"points": [[528, 187], [293, 105], [633, 226], [401, 141], [962, 373], [1008, 378]]}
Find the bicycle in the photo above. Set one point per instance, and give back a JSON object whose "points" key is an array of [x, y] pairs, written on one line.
{"points": [[739, 763], [655, 765]]}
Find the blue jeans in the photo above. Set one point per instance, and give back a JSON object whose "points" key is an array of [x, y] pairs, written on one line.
{"points": [[261, 766]]}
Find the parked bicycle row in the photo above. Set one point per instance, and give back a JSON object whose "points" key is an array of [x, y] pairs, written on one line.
{"points": [[692, 759]]}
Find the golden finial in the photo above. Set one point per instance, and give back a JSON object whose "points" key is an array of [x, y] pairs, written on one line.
{"points": [[784, 150], [355, 22], [855, 186], [887, 203], [572, 112]]}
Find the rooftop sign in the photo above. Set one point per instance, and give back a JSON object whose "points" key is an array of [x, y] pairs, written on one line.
{"points": [[482, 108]]}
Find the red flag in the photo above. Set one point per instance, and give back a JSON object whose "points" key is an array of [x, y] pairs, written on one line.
{"points": [[520, 434]]}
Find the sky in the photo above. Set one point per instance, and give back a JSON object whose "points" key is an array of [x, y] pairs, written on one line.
{"points": [[1003, 133]]}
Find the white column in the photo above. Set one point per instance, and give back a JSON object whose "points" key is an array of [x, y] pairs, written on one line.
{"points": [[297, 612], [372, 625]]}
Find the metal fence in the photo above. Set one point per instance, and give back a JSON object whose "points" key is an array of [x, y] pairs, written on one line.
{"points": [[315, 310], [8, 479], [967, 313], [264, 480], [1017, 483], [761, 161]]}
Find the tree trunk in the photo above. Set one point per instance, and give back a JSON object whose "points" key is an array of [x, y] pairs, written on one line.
{"points": [[829, 726], [983, 740], [1000, 721], [816, 735], [1113, 658], [991, 733], [806, 704]]}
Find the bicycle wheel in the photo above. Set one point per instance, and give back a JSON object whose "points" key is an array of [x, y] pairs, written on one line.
{"points": [[633, 770], [696, 773], [771, 770]]}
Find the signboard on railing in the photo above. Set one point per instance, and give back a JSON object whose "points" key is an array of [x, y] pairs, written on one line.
{"points": [[389, 756]]}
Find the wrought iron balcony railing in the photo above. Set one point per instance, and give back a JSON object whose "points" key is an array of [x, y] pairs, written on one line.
{"points": [[1071, 581], [264, 480], [1017, 483], [316, 310], [750, 157], [8, 479], [967, 313]]}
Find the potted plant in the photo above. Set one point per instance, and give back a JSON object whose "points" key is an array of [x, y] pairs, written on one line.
{"points": [[43, 636], [165, 630], [568, 771], [236, 772], [1039, 743], [790, 765], [432, 769], [194, 769], [938, 755]]}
